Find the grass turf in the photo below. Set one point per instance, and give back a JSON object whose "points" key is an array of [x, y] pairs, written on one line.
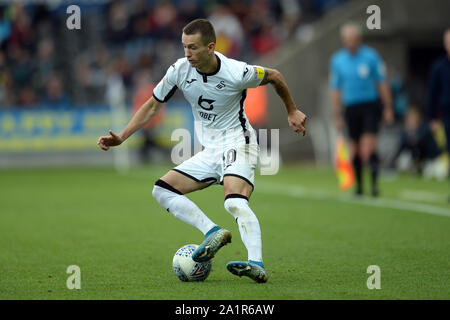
{"points": [[317, 241]]}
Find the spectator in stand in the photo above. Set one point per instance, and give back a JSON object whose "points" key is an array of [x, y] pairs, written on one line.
{"points": [[188, 11], [45, 63], [126, 29], [229, 31], [27, 97], [6, 84], [291, 13], [143, 92], [22, 29], [23, 66], [417, 139], [439, 91], [163, 21], [55, 96], [118, 24], [265, 34]]}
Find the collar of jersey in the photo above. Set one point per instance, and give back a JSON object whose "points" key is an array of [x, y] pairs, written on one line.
{"points": [[214, 72], [356, 54]]}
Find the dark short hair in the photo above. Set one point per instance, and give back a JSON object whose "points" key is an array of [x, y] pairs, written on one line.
{"points": [[202, 26]]}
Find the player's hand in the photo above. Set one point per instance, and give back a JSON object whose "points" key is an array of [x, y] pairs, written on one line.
{"points": [[112, 140], [388, 115], [434, 126], [297, 121], [339, 123]]}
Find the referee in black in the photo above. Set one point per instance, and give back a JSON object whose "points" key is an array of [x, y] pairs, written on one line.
{"points": [[360, 98]]}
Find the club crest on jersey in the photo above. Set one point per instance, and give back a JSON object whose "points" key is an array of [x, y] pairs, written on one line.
{"points": [[221, 85]]}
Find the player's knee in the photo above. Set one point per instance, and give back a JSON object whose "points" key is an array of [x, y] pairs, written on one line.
{"points": [[237, 206], [162, 190], [156, 192], [231, 206]]}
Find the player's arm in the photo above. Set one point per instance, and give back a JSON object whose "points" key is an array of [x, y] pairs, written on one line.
{"points": [[336, 105], [335, 83], [379, 68], [296, 118], [145, 113], [386, 99]]}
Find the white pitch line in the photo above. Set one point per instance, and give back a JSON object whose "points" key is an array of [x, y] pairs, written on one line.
{"points": [[303, 192], [297, 191], [423, 195]]}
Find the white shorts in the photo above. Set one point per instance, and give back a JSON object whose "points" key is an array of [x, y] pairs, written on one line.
{"points": [[211, 165]]}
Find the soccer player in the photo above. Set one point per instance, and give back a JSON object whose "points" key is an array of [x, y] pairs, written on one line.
{"points": [[215, 86], [358, 81]]}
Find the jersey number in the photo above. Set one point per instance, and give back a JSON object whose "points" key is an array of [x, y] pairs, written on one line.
{"points": [[229, 157], [208, 101]]}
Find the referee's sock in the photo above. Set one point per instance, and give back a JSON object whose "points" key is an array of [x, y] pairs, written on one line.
{"points": [[374, 164], [357, 167], [181, 206]]}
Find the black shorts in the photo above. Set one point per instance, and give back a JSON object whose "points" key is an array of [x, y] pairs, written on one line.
{"points": [[363, 118]]}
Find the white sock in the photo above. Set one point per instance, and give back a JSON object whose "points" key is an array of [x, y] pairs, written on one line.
{"points": [[237, 206], [181, 207]]}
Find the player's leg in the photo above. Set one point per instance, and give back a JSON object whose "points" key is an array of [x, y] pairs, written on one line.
{"points": [[237, 193], [170, 192], [194, 174], [368, 151], [238, 166], [354, 126], [357, 165], [446, 124], [368, 143]]}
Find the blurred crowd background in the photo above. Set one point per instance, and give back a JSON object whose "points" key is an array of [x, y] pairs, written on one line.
{"points": [[43, 65], [54, 81]]}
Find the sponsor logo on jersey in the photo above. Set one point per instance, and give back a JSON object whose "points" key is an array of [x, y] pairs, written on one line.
{"points": [[207, 116], [363, 71], [208, 101], [190, 81]]}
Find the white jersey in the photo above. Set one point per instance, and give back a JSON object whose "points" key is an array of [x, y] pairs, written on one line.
{"points": [[217, 98]]}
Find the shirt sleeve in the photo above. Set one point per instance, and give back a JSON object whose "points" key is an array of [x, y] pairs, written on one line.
{"points": [[379, 68], [252, 76], [335, 78], [167, 86]]}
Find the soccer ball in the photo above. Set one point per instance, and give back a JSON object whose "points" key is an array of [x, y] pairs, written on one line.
{"points": [[187, 269]]}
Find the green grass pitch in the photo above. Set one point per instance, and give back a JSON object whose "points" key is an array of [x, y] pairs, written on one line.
{"points": [[317, 240]]}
